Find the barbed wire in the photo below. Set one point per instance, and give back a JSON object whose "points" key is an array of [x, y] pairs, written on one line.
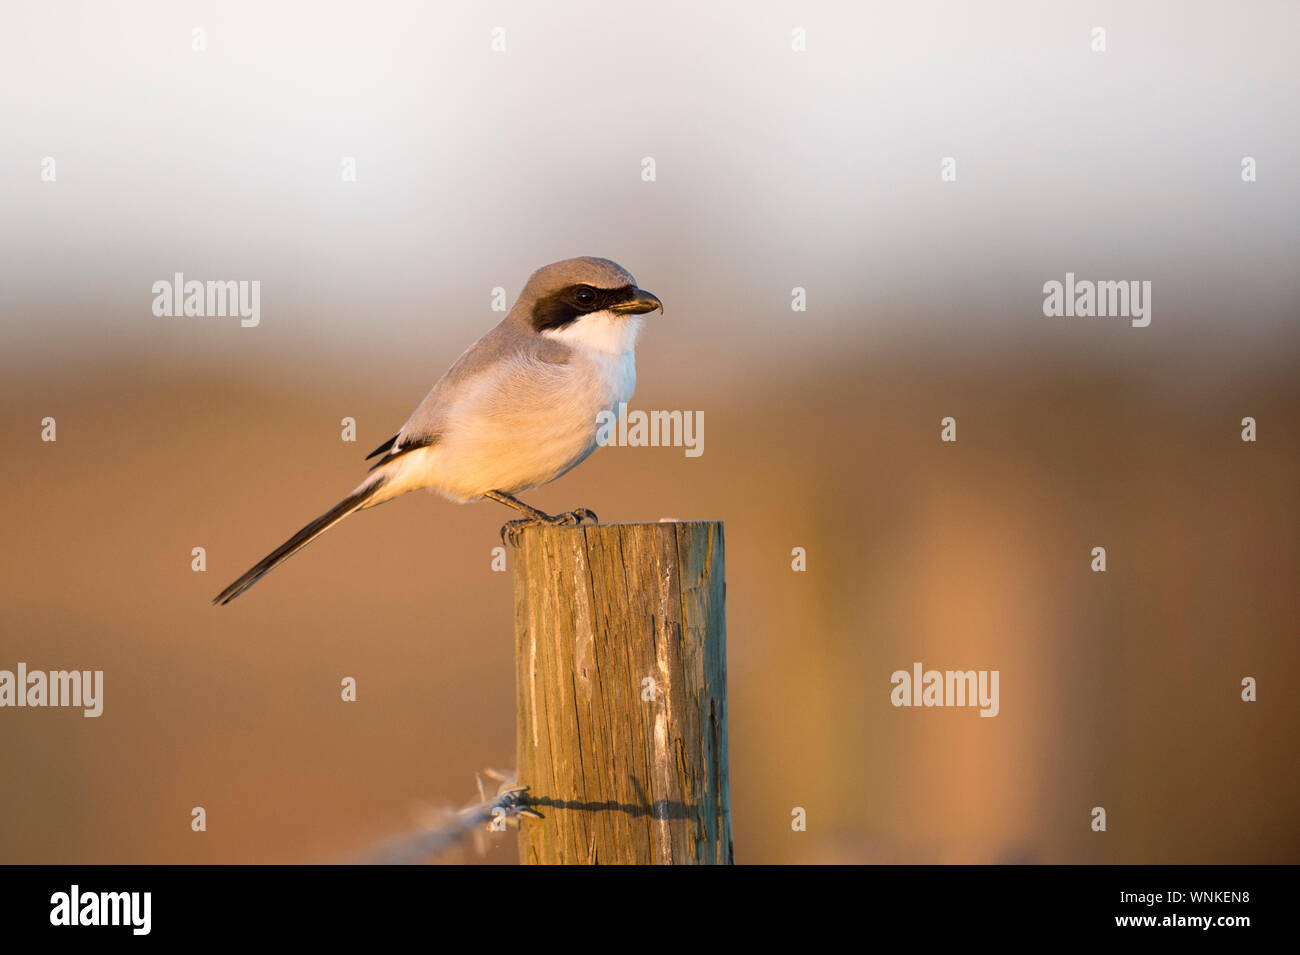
{"points": [[487, 814]]}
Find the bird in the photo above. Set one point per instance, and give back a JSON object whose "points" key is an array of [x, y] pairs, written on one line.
{"points": [[518, 409]]}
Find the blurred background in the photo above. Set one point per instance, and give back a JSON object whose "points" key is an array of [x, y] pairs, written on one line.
{"points": [[774, 169]]}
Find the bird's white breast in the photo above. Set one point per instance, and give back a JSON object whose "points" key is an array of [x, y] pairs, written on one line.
{"points": [[606, 343]]}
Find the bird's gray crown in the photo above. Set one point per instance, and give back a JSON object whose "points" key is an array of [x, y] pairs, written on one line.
{"points": [[584, 270]]}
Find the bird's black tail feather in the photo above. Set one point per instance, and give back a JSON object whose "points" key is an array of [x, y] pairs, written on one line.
{"points": [[298, 541]]}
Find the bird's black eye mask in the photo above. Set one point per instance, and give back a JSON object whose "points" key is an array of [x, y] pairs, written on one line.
{"points": [[572, 302]]}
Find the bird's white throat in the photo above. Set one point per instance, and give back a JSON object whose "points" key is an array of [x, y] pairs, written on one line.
{"points": [[600, 331]]}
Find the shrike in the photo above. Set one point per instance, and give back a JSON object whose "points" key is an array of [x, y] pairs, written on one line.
{"points": [[516, 411]]}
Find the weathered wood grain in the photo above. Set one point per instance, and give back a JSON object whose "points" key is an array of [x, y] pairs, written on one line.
{"points": [[620, 650]]}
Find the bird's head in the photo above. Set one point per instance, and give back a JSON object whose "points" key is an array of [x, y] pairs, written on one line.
{"points": [[585, 299]]}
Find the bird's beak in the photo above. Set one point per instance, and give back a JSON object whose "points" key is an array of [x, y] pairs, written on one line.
{"points": [[639, 304]]}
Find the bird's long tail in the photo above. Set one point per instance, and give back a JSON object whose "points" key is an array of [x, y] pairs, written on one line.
{"points": [[353, 502]]}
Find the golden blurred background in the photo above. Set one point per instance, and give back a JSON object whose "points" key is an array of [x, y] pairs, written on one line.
{"points": [[818, 170]]}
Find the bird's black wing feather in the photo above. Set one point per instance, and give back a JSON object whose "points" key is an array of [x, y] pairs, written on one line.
{"points": [[386, 446], [396, 451]]}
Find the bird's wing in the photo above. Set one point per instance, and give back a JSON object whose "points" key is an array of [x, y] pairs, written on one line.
{"points": [[426, 422], [504, 366]]}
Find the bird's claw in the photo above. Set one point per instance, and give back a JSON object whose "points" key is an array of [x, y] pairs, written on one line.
{"points": [[510, 530]]}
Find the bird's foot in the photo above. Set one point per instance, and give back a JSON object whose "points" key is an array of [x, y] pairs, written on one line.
{"points": [[510, 530]]}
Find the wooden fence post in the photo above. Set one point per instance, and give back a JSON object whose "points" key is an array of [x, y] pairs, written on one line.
{"points": [[620, 656]]}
